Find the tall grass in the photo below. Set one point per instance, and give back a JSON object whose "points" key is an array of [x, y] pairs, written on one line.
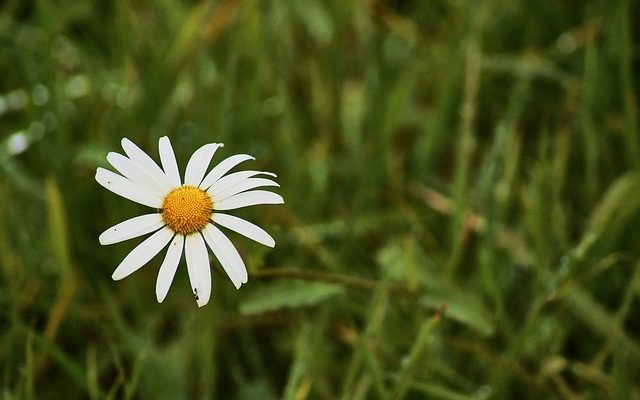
{"points": [[461, 184]]}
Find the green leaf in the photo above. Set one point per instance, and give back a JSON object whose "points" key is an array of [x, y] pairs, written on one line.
{"points": [[288, 294], [404, 261], [58, 230], [463, 308]]}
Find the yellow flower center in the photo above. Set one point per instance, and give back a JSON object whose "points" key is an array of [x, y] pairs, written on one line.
{"points": [[187, 209]]}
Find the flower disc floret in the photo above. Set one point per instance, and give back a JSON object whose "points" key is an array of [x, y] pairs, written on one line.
{"points": [[187, 209]]}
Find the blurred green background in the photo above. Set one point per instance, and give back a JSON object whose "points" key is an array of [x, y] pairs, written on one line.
{"points": [[462, 192]]}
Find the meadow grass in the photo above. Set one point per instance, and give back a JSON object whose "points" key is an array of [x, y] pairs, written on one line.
{"points": [[461, 184]]}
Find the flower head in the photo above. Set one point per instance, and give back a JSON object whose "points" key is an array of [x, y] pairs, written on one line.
{"points": [[188, 213]]}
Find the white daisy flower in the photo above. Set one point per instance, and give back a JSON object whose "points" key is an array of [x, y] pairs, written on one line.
{"points": [[187, 213]]}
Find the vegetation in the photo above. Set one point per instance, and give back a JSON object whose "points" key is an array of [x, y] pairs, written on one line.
{"points": [[462, 190]]}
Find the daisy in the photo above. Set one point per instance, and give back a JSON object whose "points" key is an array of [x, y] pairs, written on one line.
{"points": [[187, 213]]}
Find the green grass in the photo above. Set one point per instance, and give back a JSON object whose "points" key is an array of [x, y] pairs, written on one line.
{"points": [[461, 183]]}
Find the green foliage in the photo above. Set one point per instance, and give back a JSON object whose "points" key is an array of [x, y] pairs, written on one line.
{"points": [[288, 294], [461, 184]]}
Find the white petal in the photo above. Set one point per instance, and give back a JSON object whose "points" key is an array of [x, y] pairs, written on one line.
{"points": [[232, 179], [146, 164], [168, 160], [247, 199], [126, 188], [141, 255], [245, 228], [198, 163], [227, 254], [131, 171], [219, 170], [198, 267], [169, 267], [247, 184], [131, 228]]}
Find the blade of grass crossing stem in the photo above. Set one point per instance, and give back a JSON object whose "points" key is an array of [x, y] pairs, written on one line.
{"points": [[621, 380], [622, 387], [466, 140], [298, 382], [66, 364], [131, 387], [493, 165], [626, 305], [595, 316], [361, 390], [379, 307], [488, 179], [415, 355], [621, 200], [366, 349], [367, 343]]}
